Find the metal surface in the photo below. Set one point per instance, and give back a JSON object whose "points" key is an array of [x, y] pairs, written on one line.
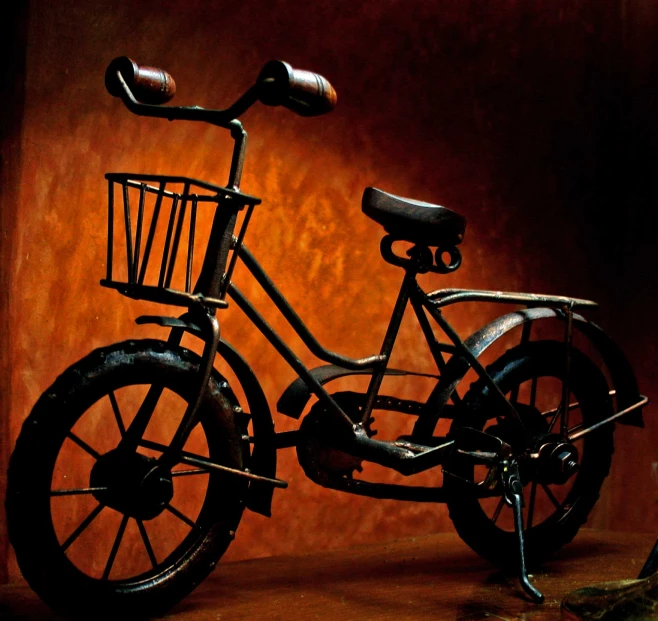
{"points": [[445, 297], [621, 372]]}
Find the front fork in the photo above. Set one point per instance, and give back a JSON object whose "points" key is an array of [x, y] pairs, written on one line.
{"points": [[207, 326]]}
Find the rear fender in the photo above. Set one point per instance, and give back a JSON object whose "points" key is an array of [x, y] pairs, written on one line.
{"points": [[620, 370]]}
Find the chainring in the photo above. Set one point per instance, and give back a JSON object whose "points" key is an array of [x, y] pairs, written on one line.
{"points": [[321, 461]]}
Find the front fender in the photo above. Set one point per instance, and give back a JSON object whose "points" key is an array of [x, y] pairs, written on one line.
{"points": [[621, 372], [263, 458]]}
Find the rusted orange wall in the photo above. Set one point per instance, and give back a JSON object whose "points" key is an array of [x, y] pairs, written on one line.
{"points": [[508, 112], [13, 32]]}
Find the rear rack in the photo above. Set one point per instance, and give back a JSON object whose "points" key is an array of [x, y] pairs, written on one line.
{"points": [[146, 197], [445, 297]]}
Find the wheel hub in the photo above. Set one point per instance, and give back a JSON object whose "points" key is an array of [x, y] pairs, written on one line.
{"points": [[555, 462], [133, 484], [543, 457]]}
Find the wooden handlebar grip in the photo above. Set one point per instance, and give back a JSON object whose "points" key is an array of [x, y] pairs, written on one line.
{"points": [[148, 84], [303, 92]]}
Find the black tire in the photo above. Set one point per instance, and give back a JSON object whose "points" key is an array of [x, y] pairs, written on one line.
{"points": [[183, 549], [491, 534]]}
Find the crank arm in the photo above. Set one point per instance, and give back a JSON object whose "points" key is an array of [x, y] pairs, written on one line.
{"points": [[480, 457], [394, 455], [205, 464], [483, 489], [472, 441]]}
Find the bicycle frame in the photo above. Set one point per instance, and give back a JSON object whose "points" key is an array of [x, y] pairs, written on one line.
{"points": [[214, 283], [393, 455]]}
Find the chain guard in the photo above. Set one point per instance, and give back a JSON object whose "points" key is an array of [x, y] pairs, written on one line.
{"points": [[317, 456]]}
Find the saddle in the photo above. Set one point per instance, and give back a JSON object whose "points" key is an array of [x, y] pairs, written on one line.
{"points": [[414, 221]]}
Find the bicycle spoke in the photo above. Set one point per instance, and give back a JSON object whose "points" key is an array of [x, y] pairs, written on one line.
{"points": [[499, 508], [156, 446], [117, 414], [75, 492], [147, 542], [139, 424], [557, 413], [83, 445], [531, 508], [549, 493], [533, 392], [181, 516], [83, 525], [187, 473], [115, 548]]}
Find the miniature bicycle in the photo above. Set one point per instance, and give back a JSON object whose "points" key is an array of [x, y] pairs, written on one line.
{"points": [[536, 423]]}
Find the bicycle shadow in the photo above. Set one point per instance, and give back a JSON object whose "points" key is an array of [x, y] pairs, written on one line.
{"points": [[434, 577]]}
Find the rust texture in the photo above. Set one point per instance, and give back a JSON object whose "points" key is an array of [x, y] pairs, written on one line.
{"points": [[507, 112]]}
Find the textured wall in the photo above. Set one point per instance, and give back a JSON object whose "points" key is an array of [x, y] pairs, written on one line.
{"points": [[508, 112], [13, 32]]}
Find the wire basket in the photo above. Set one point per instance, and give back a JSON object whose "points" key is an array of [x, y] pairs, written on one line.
{"points": [[153, 223]]}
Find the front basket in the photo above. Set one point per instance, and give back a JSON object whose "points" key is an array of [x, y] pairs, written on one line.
{"points": [[152, 221]]}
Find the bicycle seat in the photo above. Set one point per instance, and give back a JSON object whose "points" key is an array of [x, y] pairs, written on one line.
{"points": [[414, 221]]}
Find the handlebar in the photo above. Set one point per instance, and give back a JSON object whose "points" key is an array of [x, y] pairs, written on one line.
{"points": [[148, 84], [143, 89], [303, 92]]}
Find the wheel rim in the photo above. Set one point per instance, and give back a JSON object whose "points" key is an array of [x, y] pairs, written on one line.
{"points": [[99, 540], [545, 499]]}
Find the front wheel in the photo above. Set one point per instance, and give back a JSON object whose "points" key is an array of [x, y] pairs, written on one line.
{"points": [[556, 505], [95, 533]]}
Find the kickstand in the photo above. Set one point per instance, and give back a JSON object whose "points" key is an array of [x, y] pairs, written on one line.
{"points": [[513, 495]]}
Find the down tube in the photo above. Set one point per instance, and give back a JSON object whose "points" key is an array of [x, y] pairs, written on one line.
{"points": [[289, 356]]}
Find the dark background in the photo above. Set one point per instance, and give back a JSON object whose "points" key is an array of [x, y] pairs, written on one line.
{"points": [[536, 120]]}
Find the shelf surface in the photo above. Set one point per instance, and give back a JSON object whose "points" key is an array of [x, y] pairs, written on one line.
{"points": [[430, 577]]}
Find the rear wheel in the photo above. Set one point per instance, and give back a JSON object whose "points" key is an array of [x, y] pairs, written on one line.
{"points": [[556, 504], [99, 531]]}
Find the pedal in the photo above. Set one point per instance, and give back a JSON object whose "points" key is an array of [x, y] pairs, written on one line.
{"points": [[480, 447], [473, 440]]}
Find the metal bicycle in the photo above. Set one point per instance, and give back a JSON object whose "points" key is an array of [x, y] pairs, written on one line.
{"points": [[533, 434]]}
